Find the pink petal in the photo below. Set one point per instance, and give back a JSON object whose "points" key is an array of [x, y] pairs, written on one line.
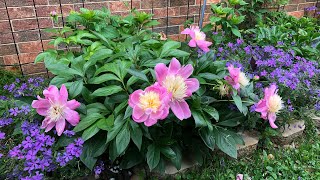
{"points": [[137, 112], [204, 45], [272, 118], [73, 104], [161, 72], [72, 116], [50, 126], [134, 98], [269, 91], [41, 103], [192, 43], [180, 109], [45, 122], [52, 92], [156, 115], [150, 122], [42, 111], [143, 118], [186, 71], [165, 113], [174, 66], [60, 125], [193, 85], [186, 31], [63, 94]]}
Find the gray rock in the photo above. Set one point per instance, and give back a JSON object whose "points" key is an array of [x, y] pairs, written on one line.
{"points": [[251, 140], [290, 132]]}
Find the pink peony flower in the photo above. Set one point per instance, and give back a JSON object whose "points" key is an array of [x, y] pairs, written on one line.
{"points": [[150, 105], [236, 77], [198, 38], [270, 105], [56, 108], [239, 177], [176, 80]]}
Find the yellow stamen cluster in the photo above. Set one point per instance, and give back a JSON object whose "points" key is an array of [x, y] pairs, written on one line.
{"points": [[176, 85], [150, 100]]}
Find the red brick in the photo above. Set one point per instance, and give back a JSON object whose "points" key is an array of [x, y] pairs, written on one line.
{"points": [[66, 9], [45, 22], [28, 47], [17, 3], [7, 49], [1, 61], [136, 4], [46, 45], [148, 4], [46, 35], [24, 24], [163, 12], [10, 59], [118, 6], [6, 38], [5, 26], [33, 68], [162, 21], [71, 1], [44, 11], [24, 36], [177, 20], [296, 1], [3, 14], [27, 57], [93, 6], [21, 12], [2, 5], [184, 10], [297, 14], [40, 2]]}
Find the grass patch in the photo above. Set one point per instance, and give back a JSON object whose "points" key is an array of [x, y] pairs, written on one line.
{"points": [[7, 77], [279, 163]]}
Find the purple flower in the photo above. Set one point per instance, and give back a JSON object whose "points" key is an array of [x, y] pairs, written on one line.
{"points": [[312, 8], [14, 111], [2, 135], [317, 106], [69, 133], [1, 155], [99, 168]]}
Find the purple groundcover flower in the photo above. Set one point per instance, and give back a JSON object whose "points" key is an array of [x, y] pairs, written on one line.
{"points": [[312, 8], [99, 168], [2, 135]]}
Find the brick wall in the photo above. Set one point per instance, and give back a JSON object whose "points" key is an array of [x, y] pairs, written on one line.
{"points": [[22, 23]]}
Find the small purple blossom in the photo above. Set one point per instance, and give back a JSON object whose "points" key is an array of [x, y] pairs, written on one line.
{"points": [[2, 135]]}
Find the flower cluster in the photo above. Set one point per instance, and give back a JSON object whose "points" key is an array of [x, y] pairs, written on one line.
{"points": [[20, 88], [270, 105], [72, 151], [35, 150], [198, 38], [172, 87], [57, 109], [294, 73], [98, 169]]}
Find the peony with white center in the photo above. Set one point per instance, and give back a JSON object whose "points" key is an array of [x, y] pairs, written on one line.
{"points": [[150, 101], [275, 103], [243, 80], [176, 85]]}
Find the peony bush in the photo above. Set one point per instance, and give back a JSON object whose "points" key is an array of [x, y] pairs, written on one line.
{"points": [[123, 96]]}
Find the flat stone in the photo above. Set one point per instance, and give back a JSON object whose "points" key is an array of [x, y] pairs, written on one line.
{"points": [[290, 132], [185, 165], [316, 121], [251, 140]]}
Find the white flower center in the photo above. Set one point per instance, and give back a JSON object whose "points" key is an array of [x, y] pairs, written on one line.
{"points": [[56, 112], [243, 80], [150, 100], [199, 35], [275, 103], [176, 85]]}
